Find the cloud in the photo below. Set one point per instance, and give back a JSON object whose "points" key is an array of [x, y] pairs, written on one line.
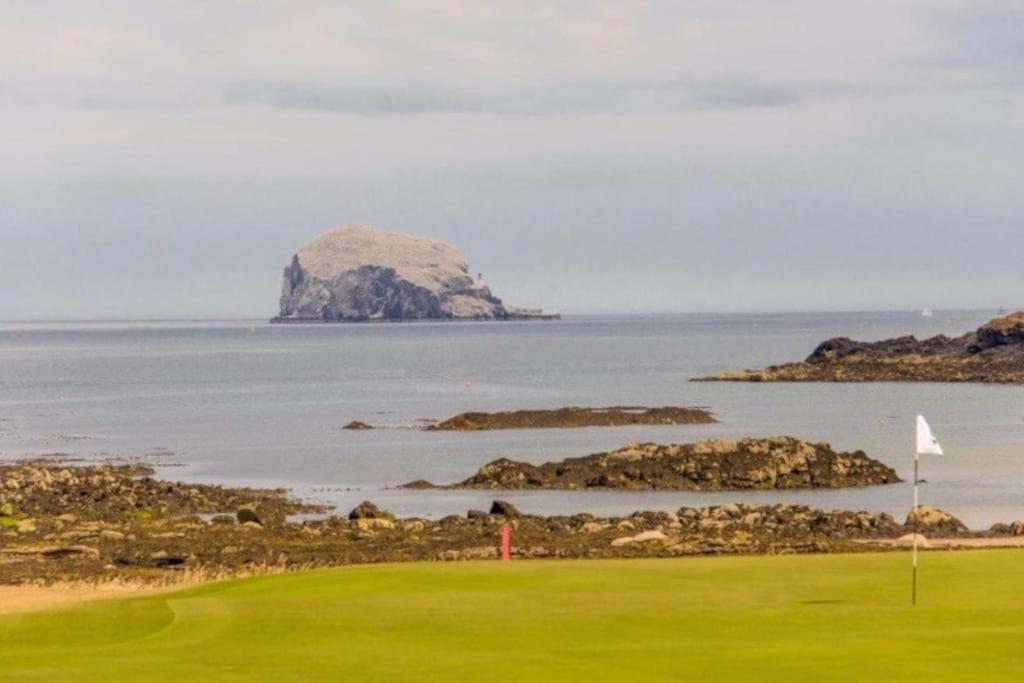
{"points": [[369, 100], [984, 36], [348, 99], [668, 147], [754, 95]]}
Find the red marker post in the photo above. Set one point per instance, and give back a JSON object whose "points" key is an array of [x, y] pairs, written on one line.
{"points": [[506, 543]]}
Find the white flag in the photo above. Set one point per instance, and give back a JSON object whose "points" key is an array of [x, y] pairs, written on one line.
{"points": [[927, 444]]}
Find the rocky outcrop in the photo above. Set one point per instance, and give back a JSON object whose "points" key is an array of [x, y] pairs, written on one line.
{"points": [[356, 273], [115, 523], [772, 463], [932, 522], [994, 353], [574, 417]]}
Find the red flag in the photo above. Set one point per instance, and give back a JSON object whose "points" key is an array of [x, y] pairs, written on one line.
{"points": [[506, 543]]}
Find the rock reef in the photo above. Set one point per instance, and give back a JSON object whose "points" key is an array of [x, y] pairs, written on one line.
{"points": [[994, 353], [356, 273], [574, 417], [772, 463]]}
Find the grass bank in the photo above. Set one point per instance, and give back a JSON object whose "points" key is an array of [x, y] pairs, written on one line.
{"points": [[822, 617]]}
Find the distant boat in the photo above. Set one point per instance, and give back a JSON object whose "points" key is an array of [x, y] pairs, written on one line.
{"points": [[927, 312]]}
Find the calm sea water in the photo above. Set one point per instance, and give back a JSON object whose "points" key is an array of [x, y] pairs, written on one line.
{"points": [[250, 403]]}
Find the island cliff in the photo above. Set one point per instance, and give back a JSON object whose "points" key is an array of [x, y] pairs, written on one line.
{"points": [[994, 354], [357, 273]]}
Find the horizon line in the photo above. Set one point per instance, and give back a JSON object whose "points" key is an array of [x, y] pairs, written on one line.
{"points": [[577, 314]]}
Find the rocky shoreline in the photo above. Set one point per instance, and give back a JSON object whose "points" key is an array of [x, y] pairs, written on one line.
{"points": [[715, 465], [993, 354], [119, 523]]}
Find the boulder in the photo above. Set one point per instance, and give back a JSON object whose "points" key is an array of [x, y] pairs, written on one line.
{"points": [[357, 425], [934, 521], [367, 510], [246, 514], [364, 523], [504, 509], [907, 541], [642, 537]]}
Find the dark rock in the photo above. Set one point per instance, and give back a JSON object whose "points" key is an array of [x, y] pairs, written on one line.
{"points": [[165, 560], [476, 514], [504, 509], [367, 510], [247, 514], [357, 425]]}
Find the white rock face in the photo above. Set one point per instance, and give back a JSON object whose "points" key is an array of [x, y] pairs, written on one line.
{"points": [[424, 262], [355, 272]]}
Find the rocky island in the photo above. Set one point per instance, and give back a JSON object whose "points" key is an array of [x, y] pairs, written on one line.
{"points": [[355, 273], [994, 353], [722, 464], [614, 416]]}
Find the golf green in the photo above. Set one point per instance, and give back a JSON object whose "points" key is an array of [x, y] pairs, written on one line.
{"points": [[823, 617]]}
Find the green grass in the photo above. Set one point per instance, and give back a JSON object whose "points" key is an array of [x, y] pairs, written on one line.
{"points": [[818, 618]]}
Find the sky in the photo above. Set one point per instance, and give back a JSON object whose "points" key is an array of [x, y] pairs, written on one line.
{"points": [[165, 159]]}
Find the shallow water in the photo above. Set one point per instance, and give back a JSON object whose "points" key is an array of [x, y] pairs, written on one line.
{"points": [[250, 403]]}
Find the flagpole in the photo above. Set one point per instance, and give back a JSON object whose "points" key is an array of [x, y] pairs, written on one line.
{"points": [[913, 512]]}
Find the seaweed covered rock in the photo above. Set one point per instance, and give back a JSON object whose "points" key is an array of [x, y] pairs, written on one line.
{"points": [[574, 417], [994, 353], [770, 463]]}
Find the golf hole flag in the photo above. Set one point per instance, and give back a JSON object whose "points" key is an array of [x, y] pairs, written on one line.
{"points": [[927, 444]]}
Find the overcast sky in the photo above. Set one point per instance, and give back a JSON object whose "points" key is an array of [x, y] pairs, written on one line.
{"points": [[166, 159]]}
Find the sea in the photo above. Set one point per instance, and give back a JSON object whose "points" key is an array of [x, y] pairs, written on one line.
{"points": [[249, 403]]}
